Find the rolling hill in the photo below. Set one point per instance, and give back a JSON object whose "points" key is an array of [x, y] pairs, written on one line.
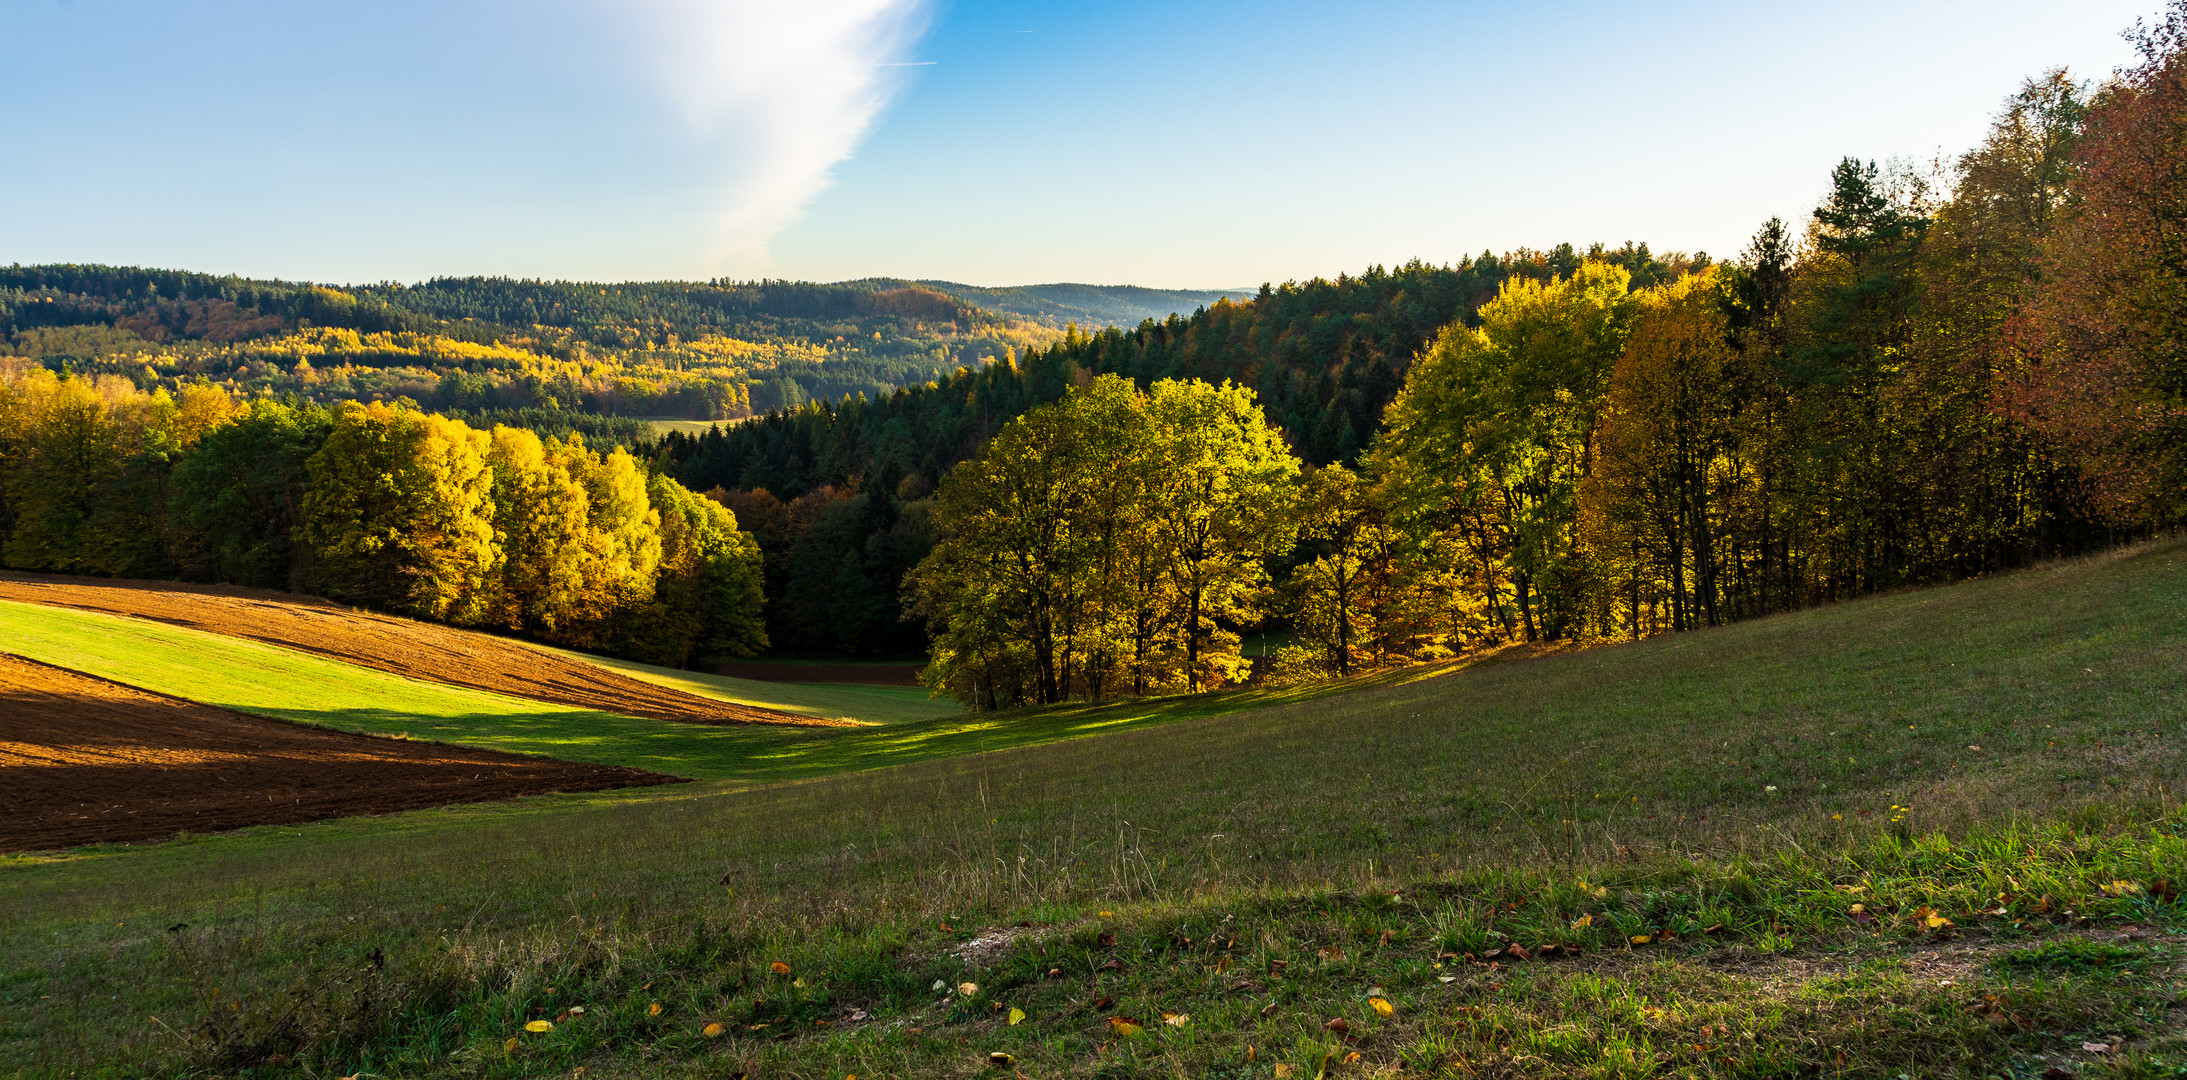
{"points": [[1935, 826]]}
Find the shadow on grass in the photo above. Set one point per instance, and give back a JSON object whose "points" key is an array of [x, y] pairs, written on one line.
{"points": [[759, 753]]}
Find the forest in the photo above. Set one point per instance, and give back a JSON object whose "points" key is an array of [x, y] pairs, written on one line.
{"points": [[558, 356], [1940, 373]]}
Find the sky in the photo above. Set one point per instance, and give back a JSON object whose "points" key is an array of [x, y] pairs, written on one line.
{"points": [[1183, 144]]}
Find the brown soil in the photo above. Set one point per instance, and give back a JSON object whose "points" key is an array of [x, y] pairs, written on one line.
{"points": [[84, 761], [405, 647], [869, 674]]}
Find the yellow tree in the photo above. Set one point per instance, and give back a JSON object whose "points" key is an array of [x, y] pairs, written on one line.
{"points": [[621, 542], [707, 597], [1668, 477], [399, 513], [1491, 431], [541, 517], [1223, 505]]}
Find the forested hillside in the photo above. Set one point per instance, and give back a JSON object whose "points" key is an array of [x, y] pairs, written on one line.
{"points": [[556, 356], [1089, 307], [1931, 378]]}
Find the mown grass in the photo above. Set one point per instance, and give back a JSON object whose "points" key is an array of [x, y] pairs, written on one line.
{"points": [[268, 680], [872, 704], [1741, 789]]}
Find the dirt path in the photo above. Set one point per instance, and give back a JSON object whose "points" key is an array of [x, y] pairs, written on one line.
{"points": [[405, 647], [84, 761]]}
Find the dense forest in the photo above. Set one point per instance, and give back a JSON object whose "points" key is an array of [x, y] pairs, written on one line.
{"points": [[495, 347], [1935, 375]]}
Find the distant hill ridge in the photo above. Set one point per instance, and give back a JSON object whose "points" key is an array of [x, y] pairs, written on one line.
{"points": [[1091, 307]]}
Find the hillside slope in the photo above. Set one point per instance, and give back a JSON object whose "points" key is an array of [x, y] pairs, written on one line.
{"points": [[398, 646], [1684, 826], [1089, 307]]}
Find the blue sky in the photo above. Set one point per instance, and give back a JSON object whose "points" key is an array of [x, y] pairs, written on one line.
{"points": [[1195, 143]]}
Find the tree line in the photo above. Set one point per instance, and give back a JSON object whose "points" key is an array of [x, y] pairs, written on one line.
{"points": [[375, 505], [1938, 377]]}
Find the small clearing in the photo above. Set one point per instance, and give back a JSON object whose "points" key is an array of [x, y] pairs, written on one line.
{"points": [[412, 649], [90, 761]]}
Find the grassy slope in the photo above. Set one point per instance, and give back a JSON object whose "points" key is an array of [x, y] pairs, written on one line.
{"points": [[874, 704], [253, 677], [1744, 779]]}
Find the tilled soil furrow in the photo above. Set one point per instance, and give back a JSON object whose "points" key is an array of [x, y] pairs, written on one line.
{"points": [[91, 761]]}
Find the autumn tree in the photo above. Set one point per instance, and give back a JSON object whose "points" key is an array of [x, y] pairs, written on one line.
{"points": [[1219, 508], [237, 498], [2108, 383], [1492, 435], [706, 599], [399, 513]]}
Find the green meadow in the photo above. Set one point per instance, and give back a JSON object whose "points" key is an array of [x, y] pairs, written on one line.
{"points": [[1930, 834], [267, 680]]}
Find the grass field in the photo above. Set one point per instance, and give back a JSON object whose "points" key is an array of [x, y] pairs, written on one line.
{"points": [[1987, 771], [252, 677], [662, 425], [874, 704]]}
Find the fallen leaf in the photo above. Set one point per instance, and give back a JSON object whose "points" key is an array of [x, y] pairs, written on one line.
{"points": [[1282, 1070], [1446, 978], [1583, 922], [1104, 1002], [968, 989], [779, 968], [1382, 1006], [713, 1030], [1339, 1025], [1222, 965], [1000, 1060], [1652, 1013], [1249, 1051], [939, 986], [1125, 1025], [1017, 1016], [653, 1009], [1176, 1019], [1517, 952], [1642, 939], [946, 928], [1108, 914], [1351, 1058], [539, 1026], [577, 1010], [2096, 1047], [510, 1046]]}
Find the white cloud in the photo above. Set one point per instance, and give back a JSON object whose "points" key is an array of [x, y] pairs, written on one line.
{"points": [[789, 88]]}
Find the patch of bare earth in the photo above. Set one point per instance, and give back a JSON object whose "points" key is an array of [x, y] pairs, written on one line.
{"points": [[84, 760], [406, 647]]}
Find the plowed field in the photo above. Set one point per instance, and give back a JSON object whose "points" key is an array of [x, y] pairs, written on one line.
{"points": [[405, 647], [85, 761]]}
